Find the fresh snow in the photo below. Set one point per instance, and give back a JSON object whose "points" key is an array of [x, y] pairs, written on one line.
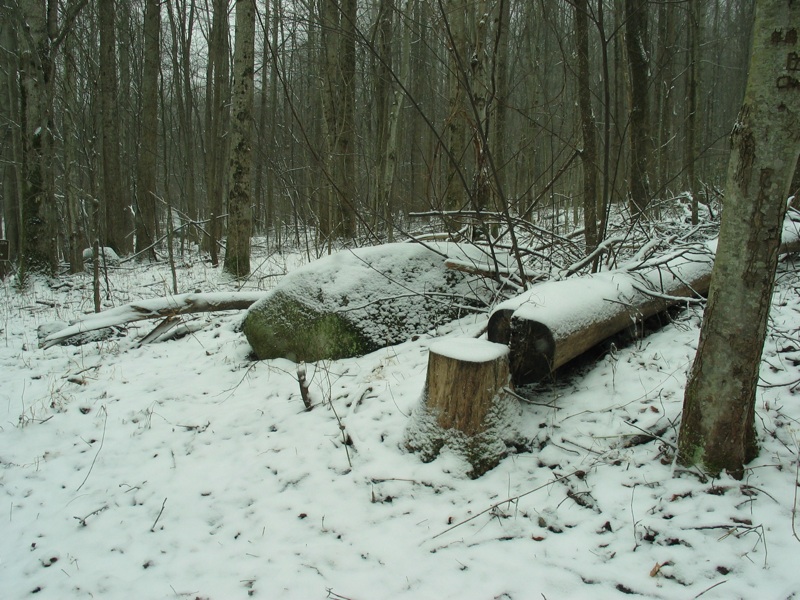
{"points": [[469, 349], [186, 470]]}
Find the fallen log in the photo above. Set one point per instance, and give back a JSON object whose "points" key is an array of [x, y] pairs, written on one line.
{"points": [[154, 308], [555, 322]]}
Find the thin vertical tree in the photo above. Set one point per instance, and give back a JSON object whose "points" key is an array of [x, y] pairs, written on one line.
{"points": [[718, 426], [240, 210], [117, 213], [589, 150], [638, 67], [338, 20], [146, 222], [217, 120]]}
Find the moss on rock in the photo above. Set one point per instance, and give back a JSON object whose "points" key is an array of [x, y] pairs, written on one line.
{"points": [[283, 327]]}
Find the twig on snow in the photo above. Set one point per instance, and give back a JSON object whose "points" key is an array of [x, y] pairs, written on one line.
{"points": [[163, 504], [708, 589], [102, 440], [82, 520], [508, 501]]}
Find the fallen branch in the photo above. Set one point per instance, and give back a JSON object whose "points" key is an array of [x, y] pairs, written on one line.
{"points": [[163, 504], [154, 308]]}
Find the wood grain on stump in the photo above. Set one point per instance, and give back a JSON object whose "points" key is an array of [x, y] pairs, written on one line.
{"points": [[465, 405]]}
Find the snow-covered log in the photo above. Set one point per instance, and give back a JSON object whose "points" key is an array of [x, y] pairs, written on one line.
{"points": [[154, 308], [554, 322], [466, 405]]}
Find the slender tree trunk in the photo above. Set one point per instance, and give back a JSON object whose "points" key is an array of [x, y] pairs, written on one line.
{"points": [[146, 227], [329, 32], [638, 65], [498, 139], [338, 19], [718, 426], [455, 194], [589, 151], [346, 142], [261, 202], [692, 94], [384, 105], [116, 206], [12, 140], [240, 210], [217, 120], [75, 235], [666, 92], [392, 143]]}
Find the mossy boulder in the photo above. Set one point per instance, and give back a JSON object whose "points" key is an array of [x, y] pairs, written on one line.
{"points": [[357, 301]]}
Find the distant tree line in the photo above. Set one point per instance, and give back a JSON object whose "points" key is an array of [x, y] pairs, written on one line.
{"points": [[122, 121]]}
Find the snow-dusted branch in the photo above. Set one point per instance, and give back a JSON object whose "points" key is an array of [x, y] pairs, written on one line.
{"points": [[154, 308]]}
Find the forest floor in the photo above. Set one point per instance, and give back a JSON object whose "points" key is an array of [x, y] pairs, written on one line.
{"points": [[185, 469]]}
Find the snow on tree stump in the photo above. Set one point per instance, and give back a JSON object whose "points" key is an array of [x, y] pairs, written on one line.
{"points": [[465, 405]]}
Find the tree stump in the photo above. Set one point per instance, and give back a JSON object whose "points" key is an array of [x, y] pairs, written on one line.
{"points": [[465, 404]]}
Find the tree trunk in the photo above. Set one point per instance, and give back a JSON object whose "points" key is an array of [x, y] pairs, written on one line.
{"points": [[37, 225], [76, 241], [589, 151], [146, 228], [116, 206], [638, 65], [498, 140], [217, 120], [455, 197], [718, 427], [693, 74], [240, 210], [12, 139]]}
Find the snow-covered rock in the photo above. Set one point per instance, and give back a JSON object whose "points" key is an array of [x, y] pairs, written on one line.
{"points": [[357, 301]]}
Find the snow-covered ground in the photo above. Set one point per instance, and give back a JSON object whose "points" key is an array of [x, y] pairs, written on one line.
{"points": [[184, 469]]}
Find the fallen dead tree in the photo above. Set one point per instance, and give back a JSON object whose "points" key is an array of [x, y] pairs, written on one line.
{"points": [[154, 308], [554, 322]]}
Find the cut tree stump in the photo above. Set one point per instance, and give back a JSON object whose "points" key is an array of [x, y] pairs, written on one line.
{"points": [[465, 405]]}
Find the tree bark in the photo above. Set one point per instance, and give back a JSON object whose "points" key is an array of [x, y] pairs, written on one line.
{"points": [[240, 210], [718, 426]]}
